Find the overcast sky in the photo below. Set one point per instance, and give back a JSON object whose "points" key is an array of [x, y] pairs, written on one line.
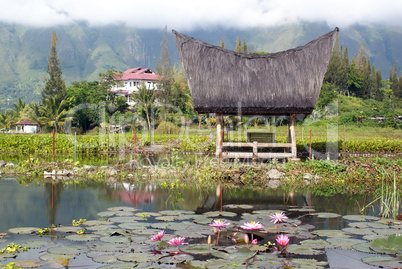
{"points": [[188, 14]]}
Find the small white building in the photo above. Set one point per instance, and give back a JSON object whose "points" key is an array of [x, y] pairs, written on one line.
{"points": [[130, 80], [26, 127]]}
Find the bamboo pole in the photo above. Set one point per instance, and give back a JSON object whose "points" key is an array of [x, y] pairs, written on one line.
{"points": [[53, 134], [310, 146], [293, 135], [219, 136]]}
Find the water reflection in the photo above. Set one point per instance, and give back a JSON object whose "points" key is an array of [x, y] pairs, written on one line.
{"points": [[41, 205]]}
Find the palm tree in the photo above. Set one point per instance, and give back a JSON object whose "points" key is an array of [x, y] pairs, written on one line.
{"points": [[16, 113], [34, 113], [53, 112], [145, 99], [5, 120]]}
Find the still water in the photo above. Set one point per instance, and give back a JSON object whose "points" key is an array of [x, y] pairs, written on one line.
{"points": [[40, 205]]}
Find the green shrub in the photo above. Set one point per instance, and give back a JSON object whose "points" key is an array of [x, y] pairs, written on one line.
{"points": [[167, 128]]}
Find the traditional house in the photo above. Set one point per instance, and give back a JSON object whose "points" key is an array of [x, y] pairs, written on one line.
{"points": [[26, 127], [130, 79], [225, 82]]}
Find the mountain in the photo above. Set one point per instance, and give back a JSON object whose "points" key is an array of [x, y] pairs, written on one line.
{"points": [[85, 51]]}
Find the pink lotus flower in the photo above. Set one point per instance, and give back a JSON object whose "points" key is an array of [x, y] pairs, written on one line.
{"points": [[158, 237], [254, 242], [177, 241], [252, 226], [282, 240], [278, 217], [219, 224]]}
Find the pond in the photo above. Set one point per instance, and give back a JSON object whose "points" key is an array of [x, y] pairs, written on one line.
{"points": [[121, 218]]}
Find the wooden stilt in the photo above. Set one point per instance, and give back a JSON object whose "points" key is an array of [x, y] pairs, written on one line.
{"points": [[292, 130], [219, 135]]}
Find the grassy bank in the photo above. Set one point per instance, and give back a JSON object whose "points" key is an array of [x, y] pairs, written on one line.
{"points": [[353, 139], [356, 175]]}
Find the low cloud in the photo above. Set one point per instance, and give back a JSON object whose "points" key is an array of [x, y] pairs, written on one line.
{"points": [[185, 15]]}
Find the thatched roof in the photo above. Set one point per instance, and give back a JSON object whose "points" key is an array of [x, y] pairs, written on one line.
{"points": [[279, 83]]}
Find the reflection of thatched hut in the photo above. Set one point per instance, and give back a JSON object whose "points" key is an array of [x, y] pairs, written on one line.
{"points": [[230, 83]]}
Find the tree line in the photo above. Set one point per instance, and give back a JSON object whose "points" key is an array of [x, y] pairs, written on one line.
{"points": [[87, 105]]}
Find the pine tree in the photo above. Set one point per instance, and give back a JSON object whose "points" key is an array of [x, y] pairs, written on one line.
{"points": [[244, 46], [165, 70], [221, 44], [54, 85], [238, 47]]}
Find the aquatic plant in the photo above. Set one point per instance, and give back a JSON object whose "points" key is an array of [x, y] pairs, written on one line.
{"points": [[251, 226], [219, 224], [283, 241], [78, 222], [278, 217], [158, 237], [13, 248], [177, 241]]}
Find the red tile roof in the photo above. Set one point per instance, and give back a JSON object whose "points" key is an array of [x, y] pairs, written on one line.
{"points": [[139, 73], [25, 122]]}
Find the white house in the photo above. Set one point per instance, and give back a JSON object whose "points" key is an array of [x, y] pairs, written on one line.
{"points": [[130, 80], [26, 127]]}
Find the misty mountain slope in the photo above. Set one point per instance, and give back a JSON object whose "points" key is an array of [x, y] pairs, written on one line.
{"points": [[87, 51]]}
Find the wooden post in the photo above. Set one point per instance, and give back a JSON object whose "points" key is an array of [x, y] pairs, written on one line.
{"points": [[53, 145], [219, 135], [310, 145], [292, 130], [255, 150], [344, 139]]}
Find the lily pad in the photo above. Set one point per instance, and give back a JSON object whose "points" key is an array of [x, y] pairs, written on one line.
{"points": [[138, 257], [36, 244], [363, 247], [360, 218], [28, 263], [123, 208], [97, 222], [162, 226], [383, 261], [344, 243], [101, 227], [23, 230], [125, 219], [115, 239], [198, 249], [63, 250], [176, 212], [52, 257], [176, 259], [303, 250], [124, 214], [331, 233], [103, 257], [217, 214], [327, 215], [124, 265], [390, 245], [310, 263], [134, 225], [357, 231], [148, 214], [234, 206], [68, 229], [82, 237], [315, 243], [106, 214], [4, 256], [166, 218]]}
